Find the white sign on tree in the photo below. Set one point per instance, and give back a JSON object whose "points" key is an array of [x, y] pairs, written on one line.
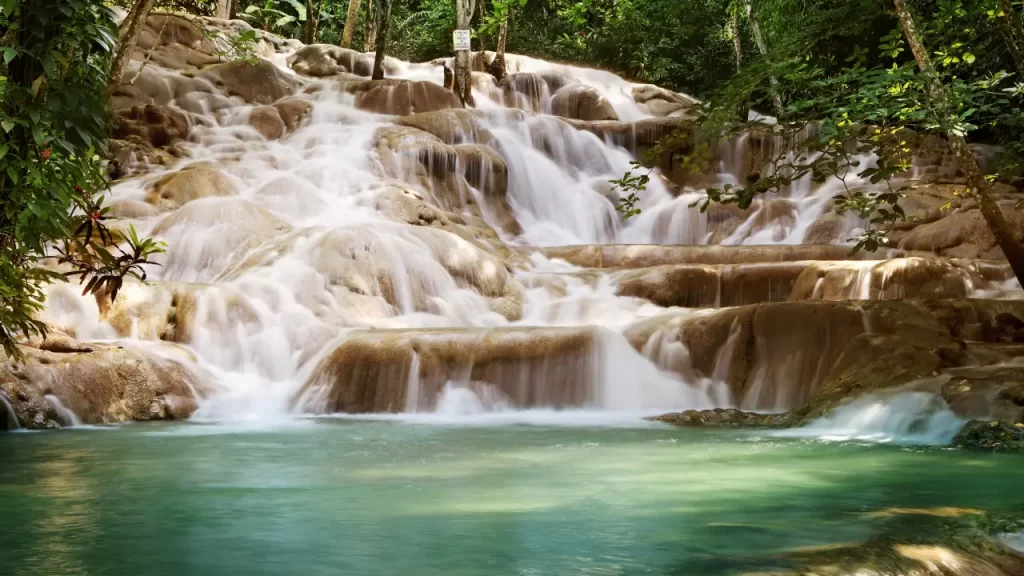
{"points": [[462, 40]]}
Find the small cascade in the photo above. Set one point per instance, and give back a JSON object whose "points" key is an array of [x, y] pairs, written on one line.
{"points": [[68, 418], [910, 417], [10, 419]]}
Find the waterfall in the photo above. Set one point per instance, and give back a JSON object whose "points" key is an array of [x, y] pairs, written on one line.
{"points": [[10, 418], [900, 418], [68, 418]]}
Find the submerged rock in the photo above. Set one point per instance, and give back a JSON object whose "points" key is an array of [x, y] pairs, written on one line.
{"points": [[722, 417]]}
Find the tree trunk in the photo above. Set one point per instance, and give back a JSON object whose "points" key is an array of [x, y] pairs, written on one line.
{"points": [[1004, 235], [1013, 33], [497, 66], [383, 16], [737, 42], [351, 19], [763, 48], [129, 38], [309, 36], [463, 58], [223, 9], [370, 35]]}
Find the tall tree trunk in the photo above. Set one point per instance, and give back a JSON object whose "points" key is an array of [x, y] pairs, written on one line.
{"points": [[990, 209], [383, 16], [762, 47], [463, 58], [737, 42], [351, 19], [129, 38], [1013, 33], [309, 35], [370, 35], [223, 9], [497, 66]]}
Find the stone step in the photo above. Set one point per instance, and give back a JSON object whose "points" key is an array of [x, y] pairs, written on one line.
{"points": [[645, 256]]}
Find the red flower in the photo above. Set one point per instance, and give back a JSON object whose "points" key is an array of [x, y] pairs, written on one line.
{"points": [[45, 155], [79, 190], [582, 34], [95, 215]]}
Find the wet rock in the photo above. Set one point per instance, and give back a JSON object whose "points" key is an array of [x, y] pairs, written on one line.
{"points": [[531, 91], [267, 121], [451, 126], [188, 184], [582, 103], [258, 83], [827, 229], [158, 126], [698, 286], [400, 97], [643, 256], [890, 279], [962, 235], [135, 156], [446, 173], [721, 417], [395, 371], [319, 60], [293, 112], [206, 232], [103, 386], [993, 436]]}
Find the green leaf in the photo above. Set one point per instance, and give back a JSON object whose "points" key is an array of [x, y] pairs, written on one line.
{"points": [[7, 125]]}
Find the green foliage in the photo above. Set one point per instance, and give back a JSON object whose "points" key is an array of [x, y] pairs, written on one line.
{"points": [[632, 185], [852, 90], [55, 60], [283, 17], [240, 46]]}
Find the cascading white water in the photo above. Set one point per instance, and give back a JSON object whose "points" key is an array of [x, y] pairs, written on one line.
{"points": [[301, 249], [10, 418], [69, 417], [901, 418]]}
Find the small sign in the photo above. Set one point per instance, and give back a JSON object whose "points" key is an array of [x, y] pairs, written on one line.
{"points": [[462, 40]]}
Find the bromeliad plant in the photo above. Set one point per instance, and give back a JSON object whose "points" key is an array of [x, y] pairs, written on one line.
{"points": [[54, 61]]}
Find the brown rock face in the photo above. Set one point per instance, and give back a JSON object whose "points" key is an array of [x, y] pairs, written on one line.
{"points": [[157, 125], [400, 97], [293, 111], [267, 121], [319, 60], [395, 371], [259, 83], [186, 185], [643, 256], [812, 355], [962, 235], [582, 103], [100, 385]]}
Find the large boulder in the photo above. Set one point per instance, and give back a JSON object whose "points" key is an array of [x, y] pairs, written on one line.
{"points": [[188, 184], [661, 102], [99, 384], [400, 97], [255, 83], [451, 126], [293, 111], [158, 126], [320, 60], [582, 103], [267, 121], [962, 235]]}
